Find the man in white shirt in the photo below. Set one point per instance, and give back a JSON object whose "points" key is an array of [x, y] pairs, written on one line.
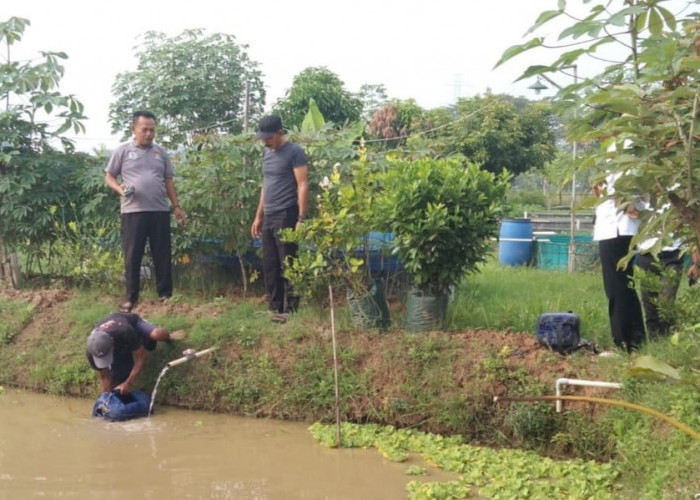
{"points": [[613, 230]]}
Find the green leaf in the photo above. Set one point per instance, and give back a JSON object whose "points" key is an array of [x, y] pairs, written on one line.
{"points": [[620, 17], [513, 51], [579, 29], [649, 367], [534, 71], [655, 23], [641, 21], [668, 17], [313, 121], [545, 16]]}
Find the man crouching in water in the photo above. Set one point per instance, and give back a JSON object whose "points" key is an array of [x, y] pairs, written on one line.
{"points": [[117, 345]]}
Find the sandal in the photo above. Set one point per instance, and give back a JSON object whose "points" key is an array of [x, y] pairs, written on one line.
{"points": [[127, 306]]}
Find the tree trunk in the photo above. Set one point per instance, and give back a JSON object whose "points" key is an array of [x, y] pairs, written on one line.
{"points": [[9, 267]]}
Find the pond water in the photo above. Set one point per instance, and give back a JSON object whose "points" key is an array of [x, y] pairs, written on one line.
{"points": [[50, 447]]}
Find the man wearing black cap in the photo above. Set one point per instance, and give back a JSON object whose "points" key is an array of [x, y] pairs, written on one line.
{"points": [[283, 202], [117, 346]]}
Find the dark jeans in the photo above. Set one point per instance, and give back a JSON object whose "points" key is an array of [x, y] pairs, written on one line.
{"points": [[624, 308], [280, 294], [668, 268], [154, 227]]}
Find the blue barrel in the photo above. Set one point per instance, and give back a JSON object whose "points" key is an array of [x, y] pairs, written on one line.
{"points": [[515, 242]]}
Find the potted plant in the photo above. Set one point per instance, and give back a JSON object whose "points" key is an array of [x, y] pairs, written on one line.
{"points": [[442, 213], [332, 246]]}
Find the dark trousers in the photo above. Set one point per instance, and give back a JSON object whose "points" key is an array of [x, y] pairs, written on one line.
{"points": [[656, 297], [281, 298], [137, 228], [624, 308]]}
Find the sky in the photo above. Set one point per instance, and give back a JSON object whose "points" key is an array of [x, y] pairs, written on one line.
{"points": [[432, 51]]}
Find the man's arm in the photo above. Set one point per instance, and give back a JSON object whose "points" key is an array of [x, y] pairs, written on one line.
{"points": [[256, 226], [112, 183], [139, 362], [105, 380], [172, 195], [301, 176]]}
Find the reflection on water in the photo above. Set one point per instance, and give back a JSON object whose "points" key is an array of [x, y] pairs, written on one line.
{"points": [[50, 447]]}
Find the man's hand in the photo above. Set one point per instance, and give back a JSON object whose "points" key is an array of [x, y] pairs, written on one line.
{"points": [[180, 216], [124, 388], [693, 274], [256, 227]]}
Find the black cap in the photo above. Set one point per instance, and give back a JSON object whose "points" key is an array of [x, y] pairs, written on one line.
{"points": [[269, 126]]}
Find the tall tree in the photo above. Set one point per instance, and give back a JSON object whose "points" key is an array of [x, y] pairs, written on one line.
{"points": [[31, 176], [395, 121], [336, 104], [646, 101], [193, 82], [495, 131], [372, 97]]}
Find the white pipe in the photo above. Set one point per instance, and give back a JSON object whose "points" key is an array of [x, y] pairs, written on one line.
{"points": [[189, 356], [588, 383]]}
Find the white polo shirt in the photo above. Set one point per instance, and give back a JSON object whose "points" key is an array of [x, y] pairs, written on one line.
{"points": [[609, 221]]}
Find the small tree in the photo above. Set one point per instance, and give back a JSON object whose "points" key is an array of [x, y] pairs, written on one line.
{"points": [[337, 105], [194, 83], [31, 176], [648, 98], [442, 214]]}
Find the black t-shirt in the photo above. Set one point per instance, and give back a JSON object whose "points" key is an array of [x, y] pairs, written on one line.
{"points": [[279, 182], [128, 331]]}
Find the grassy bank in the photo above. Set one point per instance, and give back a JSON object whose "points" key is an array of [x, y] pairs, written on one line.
{"points": [[440, 382]]}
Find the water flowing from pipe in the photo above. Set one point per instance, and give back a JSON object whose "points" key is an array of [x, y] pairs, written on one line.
{"points": [[188, 355]]}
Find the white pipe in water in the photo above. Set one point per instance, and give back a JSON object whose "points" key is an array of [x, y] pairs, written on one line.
{"points": [[588, 383]]}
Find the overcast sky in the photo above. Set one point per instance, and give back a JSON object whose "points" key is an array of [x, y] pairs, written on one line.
{"points": [[431, 50]]}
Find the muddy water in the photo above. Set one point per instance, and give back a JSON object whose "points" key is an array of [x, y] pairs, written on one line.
{"points": [[51, 448]]}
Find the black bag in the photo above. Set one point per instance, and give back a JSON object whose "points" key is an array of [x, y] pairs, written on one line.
{"points": [[560, 332]]}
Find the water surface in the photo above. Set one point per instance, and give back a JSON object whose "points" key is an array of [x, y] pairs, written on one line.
{"points": [[50, 447]]}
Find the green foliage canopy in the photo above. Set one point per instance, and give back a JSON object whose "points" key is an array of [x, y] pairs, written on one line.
{"points": [[442, 214], [645, 103], [337, 105], [34, 177], [501, 133], [192, 82]]}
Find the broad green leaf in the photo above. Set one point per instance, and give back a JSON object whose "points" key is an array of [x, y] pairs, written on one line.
{"points": [[668, 17], [543, 18], [313, 121], [569, 58], [650, 367], [513, 51], [534, 71], [620, 17], [655, 23], [581, 28], [642, 21]]}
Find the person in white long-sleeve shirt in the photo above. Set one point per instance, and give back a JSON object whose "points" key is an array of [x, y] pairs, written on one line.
{"points": [[613, 230]]}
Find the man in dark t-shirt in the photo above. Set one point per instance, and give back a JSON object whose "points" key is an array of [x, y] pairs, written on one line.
{"points": [[283, 203], [117, 346]]}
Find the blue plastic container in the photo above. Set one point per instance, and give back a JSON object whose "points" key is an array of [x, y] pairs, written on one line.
{"points": [[381, 258], [515, 242]]}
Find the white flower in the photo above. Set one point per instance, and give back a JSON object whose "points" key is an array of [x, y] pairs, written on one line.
{"points": [[325, 183]]}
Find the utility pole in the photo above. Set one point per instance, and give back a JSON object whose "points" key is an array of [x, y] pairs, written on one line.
{"points": [[246, 106]]}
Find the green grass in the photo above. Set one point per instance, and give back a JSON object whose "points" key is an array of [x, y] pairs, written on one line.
{"points": [[14, 314], [512, 298]]}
